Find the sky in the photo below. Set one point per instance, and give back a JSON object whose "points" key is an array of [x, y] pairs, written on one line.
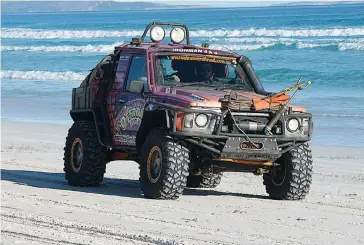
{"points": [[234, 2], [212, 3]]}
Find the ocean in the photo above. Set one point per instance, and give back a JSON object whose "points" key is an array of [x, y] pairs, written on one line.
{"points": [[45, 55]]}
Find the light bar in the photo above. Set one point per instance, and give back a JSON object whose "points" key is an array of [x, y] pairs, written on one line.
{"points": [[157, 33]]}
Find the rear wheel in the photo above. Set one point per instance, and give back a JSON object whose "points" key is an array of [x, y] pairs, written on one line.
{"points": [[84, 157], [200, 181], [163, 167], [291, 180]]}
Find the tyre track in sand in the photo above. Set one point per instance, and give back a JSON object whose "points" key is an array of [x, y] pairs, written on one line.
{"points": [[257, 239], [73, 229], [145, 219], [138, 218], [153, 221], [38, 205], [220, 232], [35, 238], [112, 186], [107, 232]]}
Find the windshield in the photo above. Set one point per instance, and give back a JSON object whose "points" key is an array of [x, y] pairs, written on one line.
{"points": [[188, 70]]}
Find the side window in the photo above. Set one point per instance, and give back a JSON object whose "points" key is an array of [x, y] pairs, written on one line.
{"points": [[137, 71], [121, 70]]}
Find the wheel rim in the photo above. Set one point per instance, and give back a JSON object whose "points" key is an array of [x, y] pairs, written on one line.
{"points": [[76, 155], [278, 173], [154, 163]]}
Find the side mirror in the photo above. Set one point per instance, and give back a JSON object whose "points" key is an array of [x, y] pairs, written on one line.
{"points": [[136, 86]]}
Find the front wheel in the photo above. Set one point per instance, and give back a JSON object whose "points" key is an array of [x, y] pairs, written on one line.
{"points": [[291, 179], [163, 166]]}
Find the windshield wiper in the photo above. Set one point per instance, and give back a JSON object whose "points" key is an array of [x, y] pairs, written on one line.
{"points": [[203, 84], [225, 86]]}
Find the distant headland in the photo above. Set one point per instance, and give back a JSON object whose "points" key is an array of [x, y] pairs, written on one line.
{"points": [[109, 5], [305, 3], [64, 6]]}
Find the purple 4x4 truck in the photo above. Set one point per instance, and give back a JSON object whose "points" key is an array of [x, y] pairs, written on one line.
{"points": [[186, 114]]}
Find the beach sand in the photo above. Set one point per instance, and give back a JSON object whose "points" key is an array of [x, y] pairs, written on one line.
{"points": [[38, 207]]}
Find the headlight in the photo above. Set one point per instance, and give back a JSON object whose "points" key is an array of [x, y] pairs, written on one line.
{"points": [[189, 120], [293, 125], [201, 120]]}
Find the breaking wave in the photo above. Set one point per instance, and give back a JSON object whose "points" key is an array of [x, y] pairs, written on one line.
{"points": [[64, 34], [43, 75], [351, 46], [245, 45], [86, 49], [262, 32], [298, 45], [341, 115]]}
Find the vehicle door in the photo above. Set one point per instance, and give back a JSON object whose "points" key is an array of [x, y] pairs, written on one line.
{"points": [[131, 81]]}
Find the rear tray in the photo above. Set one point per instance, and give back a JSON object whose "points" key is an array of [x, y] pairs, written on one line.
{"points": [[82, 97]]}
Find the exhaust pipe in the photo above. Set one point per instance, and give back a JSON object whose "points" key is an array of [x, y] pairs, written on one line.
{"points": [[248, 68]]}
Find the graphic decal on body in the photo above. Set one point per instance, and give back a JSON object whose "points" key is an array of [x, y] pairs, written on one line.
{"points": [[196, 98], [203, 59], [128, 121], [192, 50], [131, 115], [125, 139], [171, 90]]}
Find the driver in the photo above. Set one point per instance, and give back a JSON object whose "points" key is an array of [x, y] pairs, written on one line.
{"points": [[204, 72]]}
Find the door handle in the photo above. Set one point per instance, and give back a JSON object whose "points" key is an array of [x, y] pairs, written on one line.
{"points": [[121, 101]]}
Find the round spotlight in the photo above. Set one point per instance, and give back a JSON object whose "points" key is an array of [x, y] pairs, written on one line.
{"points": [[201, 120], [157, 33], [293, 125], [177, 34]]}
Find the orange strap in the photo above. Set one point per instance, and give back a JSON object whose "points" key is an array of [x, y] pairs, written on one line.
{"points": [[273, 102]]}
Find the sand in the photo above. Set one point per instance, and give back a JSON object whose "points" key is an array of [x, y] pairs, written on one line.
{"points": [[38, 207]]}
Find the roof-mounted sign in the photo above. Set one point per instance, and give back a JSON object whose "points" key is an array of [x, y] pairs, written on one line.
{"points": [[194, 50]]}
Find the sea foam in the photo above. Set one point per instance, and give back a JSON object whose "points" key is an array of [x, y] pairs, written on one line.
{"points": [[86, 48], [242, 45], [260, 32], [43, 75]]}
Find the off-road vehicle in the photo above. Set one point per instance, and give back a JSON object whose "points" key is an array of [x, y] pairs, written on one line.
{"points": [[186, 114]]}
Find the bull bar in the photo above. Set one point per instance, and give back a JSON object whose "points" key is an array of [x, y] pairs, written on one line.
{"points": [[278, 144]]}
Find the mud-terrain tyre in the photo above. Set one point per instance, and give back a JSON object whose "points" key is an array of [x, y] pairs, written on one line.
{"points": [[292, 180], [163, 166], [84, 157], [199, 181]]}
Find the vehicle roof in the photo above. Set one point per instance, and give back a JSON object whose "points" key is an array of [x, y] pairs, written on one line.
{"points": [[178, 48]]}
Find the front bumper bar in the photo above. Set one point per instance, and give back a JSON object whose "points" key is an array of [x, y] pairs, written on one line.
{"points": [[235, 145], [240, 148]]}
